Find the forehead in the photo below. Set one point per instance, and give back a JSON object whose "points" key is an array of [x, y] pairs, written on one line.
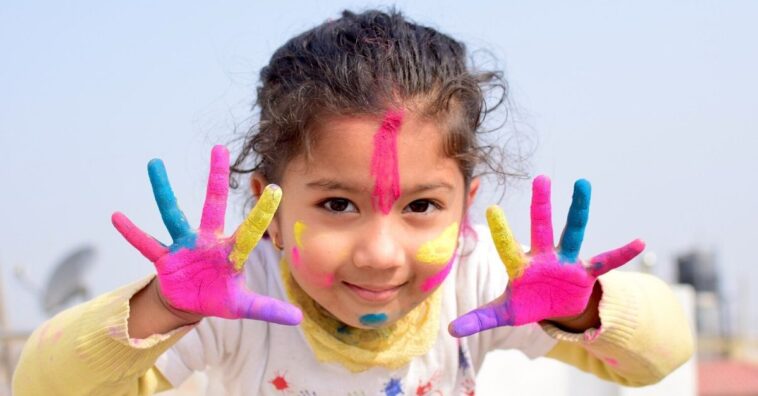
{"points": [[344, 146]]}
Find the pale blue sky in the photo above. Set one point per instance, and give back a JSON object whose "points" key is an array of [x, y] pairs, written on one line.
{"points": [[653, 102]]}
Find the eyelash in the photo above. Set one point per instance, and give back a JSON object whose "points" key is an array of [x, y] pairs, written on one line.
{"points": [[323, 204]]}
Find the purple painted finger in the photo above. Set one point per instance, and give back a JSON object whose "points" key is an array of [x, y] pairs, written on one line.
{"points": [[255, 306], [541, 213], [217, 192], [480, 319], [607, 261], [144, 243]]}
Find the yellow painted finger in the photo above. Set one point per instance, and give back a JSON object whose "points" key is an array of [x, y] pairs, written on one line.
{"points": [[249, 233], [507, 247], [440, 249]]}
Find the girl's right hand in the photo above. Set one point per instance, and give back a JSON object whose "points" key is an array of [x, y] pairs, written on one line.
{"points": [[201, 272]]}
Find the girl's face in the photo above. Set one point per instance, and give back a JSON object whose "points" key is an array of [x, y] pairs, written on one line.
{"points": [[369, 224]]}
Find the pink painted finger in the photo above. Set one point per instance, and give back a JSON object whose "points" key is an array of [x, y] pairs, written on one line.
{"points": [[144, 243], [216, 195], [607, 261], [541, 213], [255, 306]]}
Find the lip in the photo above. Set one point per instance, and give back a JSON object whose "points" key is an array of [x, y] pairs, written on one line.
{"points": [[374, 293]]}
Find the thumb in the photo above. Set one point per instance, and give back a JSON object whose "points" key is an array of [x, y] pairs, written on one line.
{"points": [[494, 314], [258, 307]]}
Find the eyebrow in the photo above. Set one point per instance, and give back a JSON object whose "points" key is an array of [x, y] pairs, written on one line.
{"points": [[331, 185]]}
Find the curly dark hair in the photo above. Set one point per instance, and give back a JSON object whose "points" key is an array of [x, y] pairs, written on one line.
{"points": [[365, 64]]}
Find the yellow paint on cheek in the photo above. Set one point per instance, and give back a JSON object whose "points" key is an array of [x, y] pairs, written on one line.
{"points": [[440, 249], [299, 228]]}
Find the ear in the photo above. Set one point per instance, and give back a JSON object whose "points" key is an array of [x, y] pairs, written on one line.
{"points": [[473, 188], [258, 182]]}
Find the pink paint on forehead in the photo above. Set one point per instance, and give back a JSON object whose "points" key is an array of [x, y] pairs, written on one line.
{"points": [[384, 166]]}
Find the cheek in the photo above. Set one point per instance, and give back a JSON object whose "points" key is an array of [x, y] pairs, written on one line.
{"points": [[440, 249], [312, 257], [431, 281], [436, 258]]}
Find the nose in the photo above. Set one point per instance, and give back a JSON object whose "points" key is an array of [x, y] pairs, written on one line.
{"points": [[380, 246]]}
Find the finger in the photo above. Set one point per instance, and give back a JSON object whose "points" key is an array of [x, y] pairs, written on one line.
{"points": [[481, 319], [507, 247], [173, 218], [251, 230], [573, 234], [607, 261], [542, 223], [214, 209], [144, 243], [254, 306]]}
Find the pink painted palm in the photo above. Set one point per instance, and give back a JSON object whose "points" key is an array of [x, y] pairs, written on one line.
{"points": [[202, 271], [547, 282]]}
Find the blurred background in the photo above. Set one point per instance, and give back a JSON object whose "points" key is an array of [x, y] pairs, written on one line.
{"points": [[653, 102]]}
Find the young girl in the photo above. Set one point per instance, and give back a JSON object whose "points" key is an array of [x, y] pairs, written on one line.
{"points": [[370, 280]]}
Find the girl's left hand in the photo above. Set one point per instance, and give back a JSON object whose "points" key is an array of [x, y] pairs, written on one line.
{"points": [[547, 282]]}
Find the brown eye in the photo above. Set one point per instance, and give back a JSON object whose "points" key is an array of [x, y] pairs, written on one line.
{"points": [[422, 206], [338, 205]]}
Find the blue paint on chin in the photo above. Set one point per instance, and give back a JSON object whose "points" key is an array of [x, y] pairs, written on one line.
{"points": [[373, 319]]}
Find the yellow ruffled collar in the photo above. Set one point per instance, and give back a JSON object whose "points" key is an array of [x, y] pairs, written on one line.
{"points": [[360, 349]]}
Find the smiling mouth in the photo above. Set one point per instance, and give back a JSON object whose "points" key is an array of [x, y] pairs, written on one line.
{"points": [[374, 293]]}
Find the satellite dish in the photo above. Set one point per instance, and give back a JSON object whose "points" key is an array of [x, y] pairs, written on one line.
{"points": [[67, 280]]}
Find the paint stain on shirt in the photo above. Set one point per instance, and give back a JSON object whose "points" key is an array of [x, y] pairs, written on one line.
{"points": [[393, 388], [279, 382]]}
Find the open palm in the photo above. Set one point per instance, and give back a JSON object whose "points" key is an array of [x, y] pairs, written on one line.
{"points": [[547, 282], [202, 271]]}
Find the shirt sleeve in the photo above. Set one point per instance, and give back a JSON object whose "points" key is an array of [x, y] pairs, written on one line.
{"points": [[644, 334], [87, 350]]}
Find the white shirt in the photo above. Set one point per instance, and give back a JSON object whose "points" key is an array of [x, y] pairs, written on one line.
{"points": [[249, 357]]}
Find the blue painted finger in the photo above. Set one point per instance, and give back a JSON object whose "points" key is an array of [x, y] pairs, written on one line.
{"points": [[573, 234], [173, 218]]}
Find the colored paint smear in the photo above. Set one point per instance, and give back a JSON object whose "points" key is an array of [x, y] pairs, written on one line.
{"points": [[435, 280], [299, 228], [384, 165], [295, 257], [393, 388], [440, 249], [323, 280], [373, 319]]}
